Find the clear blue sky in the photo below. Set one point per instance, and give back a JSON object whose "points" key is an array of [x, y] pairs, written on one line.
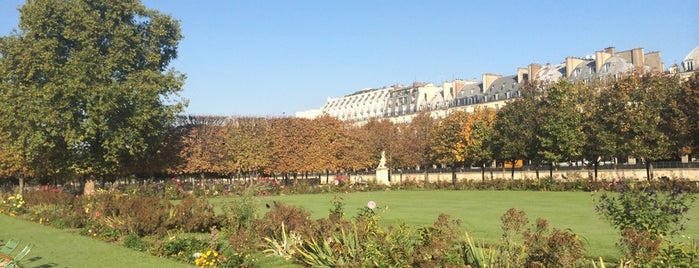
{"points": [[273, 58]]}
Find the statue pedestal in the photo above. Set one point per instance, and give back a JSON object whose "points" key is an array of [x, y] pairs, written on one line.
{"points": [[382, 176]]}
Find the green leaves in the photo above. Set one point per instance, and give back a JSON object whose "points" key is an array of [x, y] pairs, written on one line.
{"points": [[87, 85]]}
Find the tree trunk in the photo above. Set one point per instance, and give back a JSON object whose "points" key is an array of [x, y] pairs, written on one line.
{"points": [[483, 173], [596, 167], [513, 171], [453, 175], [427, 173], [21, 185], [551, 170]]}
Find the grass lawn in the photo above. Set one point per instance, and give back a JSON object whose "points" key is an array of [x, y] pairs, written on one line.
{"points": [[61, 248], [479, 212]]}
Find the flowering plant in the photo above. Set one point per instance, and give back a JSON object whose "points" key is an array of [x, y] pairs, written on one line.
{"points": [[13, 205], [211, 258]]}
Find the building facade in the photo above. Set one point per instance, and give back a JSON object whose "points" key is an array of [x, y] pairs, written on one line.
{"points": [[401, 103]]}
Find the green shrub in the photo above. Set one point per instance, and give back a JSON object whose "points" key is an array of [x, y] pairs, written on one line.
{"points": [[678, 255], [182, 249], [641, 206], [135, 242], [240, 213], [645, 213]]}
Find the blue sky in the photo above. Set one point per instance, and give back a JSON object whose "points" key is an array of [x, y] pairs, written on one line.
{"points": [[274, 58]]}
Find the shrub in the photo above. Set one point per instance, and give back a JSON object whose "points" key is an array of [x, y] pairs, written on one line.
{"points": [[535, 246], [183, 249], [640, 206], [135, 242], [12, 205], [192, 215], [645, 213], [295, 219], [557, 249], [241, 212], [441, 244]]}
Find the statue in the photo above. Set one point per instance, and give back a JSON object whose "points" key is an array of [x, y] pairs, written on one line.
{"points": [[382, 175], [382, 163]]}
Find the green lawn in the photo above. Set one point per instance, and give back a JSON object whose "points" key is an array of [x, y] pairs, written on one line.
{"points": [[61, 248], [480, 211]]}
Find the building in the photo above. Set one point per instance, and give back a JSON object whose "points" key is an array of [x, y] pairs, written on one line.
{"points": [[401, 103]]}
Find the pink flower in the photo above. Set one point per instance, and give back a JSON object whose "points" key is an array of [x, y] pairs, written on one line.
{"points": [[371, 205]]}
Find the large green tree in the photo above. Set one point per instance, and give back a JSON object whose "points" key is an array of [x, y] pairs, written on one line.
{"points": [[689, 100], [85, 85], [559, 119]]}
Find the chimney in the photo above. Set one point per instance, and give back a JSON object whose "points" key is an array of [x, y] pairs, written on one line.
{"points": [[533, 70], [458, 85], [637, 58], [522, 74], [571, 63], [600, 58], [610, 50], [488, 80]]}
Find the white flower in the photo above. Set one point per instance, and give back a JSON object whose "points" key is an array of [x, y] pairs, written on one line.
{"points": [[196, 255], [371, 205]]}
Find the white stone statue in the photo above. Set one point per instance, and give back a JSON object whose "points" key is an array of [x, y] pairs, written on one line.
{"points": [[382, 163]]}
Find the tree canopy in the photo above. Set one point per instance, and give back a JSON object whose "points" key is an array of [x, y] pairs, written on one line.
{"points": [[86, 87]]}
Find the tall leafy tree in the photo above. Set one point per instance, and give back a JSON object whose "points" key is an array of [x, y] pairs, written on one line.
{"points": [[599, 142], [559, 120], [85, 84], [248, 145], [650, 136], [689, 101], [203, 151], [447, 143], [414, 141], [381, 136], [515, 130], [478, 136]]}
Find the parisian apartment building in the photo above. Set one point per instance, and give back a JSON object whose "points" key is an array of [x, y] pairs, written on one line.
{"points": [[400, 103]]}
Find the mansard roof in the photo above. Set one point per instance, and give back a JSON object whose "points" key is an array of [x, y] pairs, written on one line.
{"points": [[615, 65], [584, 71], [691, 62], [502, 84], [551, 72]]}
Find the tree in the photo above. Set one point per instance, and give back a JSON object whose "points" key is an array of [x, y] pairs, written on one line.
{"points": [[478, 136], [598, 114], [414, 143], [203, 147], [248, 145], [648, 135], [447, 143], [87, 85], [514, 132], [559, 118], [689, 101], [381, 136]]}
